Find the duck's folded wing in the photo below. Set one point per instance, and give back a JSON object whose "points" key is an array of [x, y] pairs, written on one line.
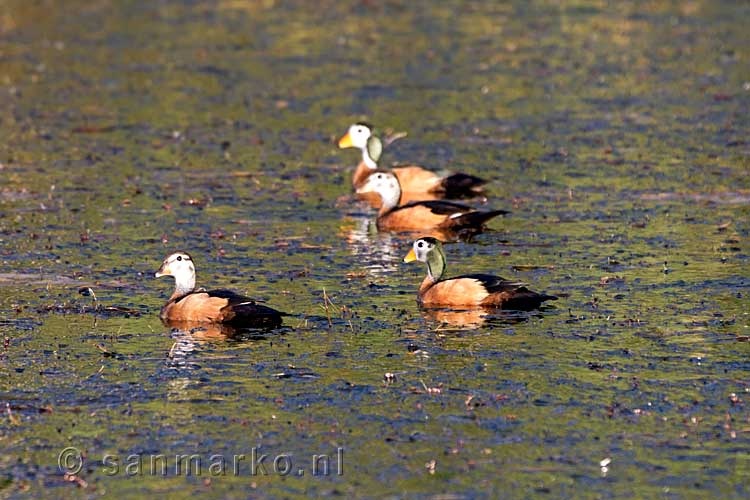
{"points": [[495, 284], [439, 207], [244, 311], [509, 294], [459, 184], [232, 296]]}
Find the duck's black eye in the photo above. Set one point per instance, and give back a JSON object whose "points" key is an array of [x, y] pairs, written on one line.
{"points": [[179, 257], [420, 244]]}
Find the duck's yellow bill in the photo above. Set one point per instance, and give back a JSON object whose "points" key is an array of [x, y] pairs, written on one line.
{"points": [[346, 141], [411, 256]]}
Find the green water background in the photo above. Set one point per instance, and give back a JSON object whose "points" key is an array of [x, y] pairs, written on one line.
{"points": [[616, 133]]}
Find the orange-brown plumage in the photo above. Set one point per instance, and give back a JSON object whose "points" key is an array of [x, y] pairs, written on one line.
{"points": [[197, 306], [412, 178], [422, 215], [417, 183], [215, 306], [471, 290], [452, 292], [433, 214]]}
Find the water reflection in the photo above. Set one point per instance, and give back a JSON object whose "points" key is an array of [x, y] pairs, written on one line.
{"points": [[473, 318], [190, 337], [181, 352], [201, 331], [469, 319], [380, 252], [177, 389]]}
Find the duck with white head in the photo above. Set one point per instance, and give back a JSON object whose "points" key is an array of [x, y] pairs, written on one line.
{"points": [[188, 304], [417, 183]]}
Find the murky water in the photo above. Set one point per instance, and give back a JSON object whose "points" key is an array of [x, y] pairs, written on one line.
{"points": [[618, 137]]}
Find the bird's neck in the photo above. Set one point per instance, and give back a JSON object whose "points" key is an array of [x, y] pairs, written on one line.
{"points": [[435, 265], [369, 162], [182, 286]]}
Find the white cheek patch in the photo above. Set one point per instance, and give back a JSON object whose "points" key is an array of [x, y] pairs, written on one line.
{"points": [[456, 215]]}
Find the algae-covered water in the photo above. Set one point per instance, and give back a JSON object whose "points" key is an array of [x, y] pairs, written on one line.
{"points": [[617, 134]]}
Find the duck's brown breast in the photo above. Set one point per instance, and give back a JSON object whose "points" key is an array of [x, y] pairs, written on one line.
{"points": [[453, 292], [198, 307]]}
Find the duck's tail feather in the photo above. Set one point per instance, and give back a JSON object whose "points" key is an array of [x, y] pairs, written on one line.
{"points": [[462, 184]]}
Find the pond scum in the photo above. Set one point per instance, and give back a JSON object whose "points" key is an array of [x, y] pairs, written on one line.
{"points": [[614, 136]]}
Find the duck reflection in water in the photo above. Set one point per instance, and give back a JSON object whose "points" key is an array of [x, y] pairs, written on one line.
{"points": [[206, 332], [472, 319], [379, 251], [190, 338]]}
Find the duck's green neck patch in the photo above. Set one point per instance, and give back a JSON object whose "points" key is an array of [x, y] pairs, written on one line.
{"points": [[372, 151], [436, 263]]}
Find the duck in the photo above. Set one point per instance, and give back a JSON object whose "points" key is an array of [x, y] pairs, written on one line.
{"points": [[415, 180], [443, 216], [190, 305], [470, 290]]}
